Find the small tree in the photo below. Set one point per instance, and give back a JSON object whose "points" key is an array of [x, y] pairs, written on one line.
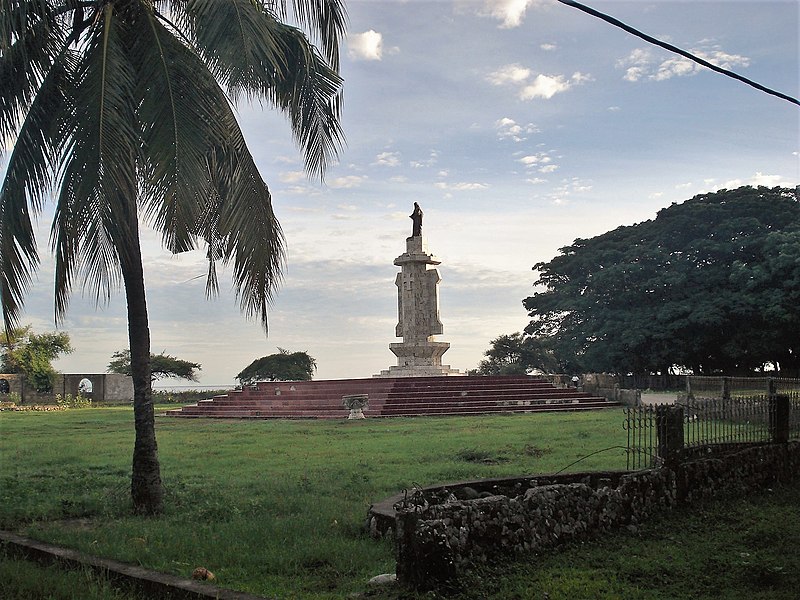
{"points": [[33, 354], [517, 354], [283, 366], [161, 366]]}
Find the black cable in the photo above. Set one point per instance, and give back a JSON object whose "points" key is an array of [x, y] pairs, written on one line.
{"points": [[671, 48]]}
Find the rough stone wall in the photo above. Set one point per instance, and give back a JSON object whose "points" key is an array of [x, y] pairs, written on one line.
{"points": [[106, 387], [440, 541], [739, 472], [437, 542]]}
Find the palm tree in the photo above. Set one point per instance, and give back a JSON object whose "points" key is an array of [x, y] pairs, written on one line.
{"points": [[122, 111]]}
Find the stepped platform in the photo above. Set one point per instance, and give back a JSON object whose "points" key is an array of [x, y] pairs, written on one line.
{"points": [[393, 397]]}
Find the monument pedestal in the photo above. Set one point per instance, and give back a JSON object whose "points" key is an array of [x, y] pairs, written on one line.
{"points": [[418, 316]]}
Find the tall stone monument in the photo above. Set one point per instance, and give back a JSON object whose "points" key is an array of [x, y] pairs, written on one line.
{"points": [[418, 311]]}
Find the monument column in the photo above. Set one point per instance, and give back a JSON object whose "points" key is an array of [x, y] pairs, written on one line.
{"points": [[418, 311]]}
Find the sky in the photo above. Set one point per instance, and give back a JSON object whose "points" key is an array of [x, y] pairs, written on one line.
{"points": [[517, 125]]}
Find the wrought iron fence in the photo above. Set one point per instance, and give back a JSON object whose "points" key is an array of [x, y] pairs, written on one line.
{"points": [[654, 431], [726, 387]]}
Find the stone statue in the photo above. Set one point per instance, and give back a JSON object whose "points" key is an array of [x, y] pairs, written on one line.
{"points": [[416, 218]]}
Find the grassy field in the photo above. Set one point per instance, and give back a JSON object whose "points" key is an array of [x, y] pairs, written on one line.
{"points": [[276, 508], [271, 507]]}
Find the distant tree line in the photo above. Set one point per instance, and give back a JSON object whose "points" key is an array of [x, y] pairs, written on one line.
{"points": [[711, 285]]}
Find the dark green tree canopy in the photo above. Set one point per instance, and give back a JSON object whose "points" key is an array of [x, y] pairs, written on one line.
{"points": [[517, 354], [283, 366], [32, 354], [162, 366], [711, 285]]}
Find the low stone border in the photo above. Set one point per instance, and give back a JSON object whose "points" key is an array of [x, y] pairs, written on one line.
{"points": [[159, 585], [441, 533]]}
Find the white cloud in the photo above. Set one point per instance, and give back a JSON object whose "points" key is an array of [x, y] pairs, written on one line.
{"points": [[365, 46], [547, 168], [548, 47], [536, 180], [683, 186], [510, 13], [535, 159], [547, 86], [509, 129], [291, 176], [761, 179], [641, 63], [433, 158], [461, 187], [348, 181], [387, 159], [513, 73]]}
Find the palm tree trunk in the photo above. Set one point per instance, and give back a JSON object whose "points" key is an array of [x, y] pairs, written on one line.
{"points": [[146, 489]]}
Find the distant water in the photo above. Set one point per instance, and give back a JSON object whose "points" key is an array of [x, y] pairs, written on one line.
{"points": [[199, 387]]}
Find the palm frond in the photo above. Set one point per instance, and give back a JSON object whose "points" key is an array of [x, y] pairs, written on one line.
{"points": [[235, 40], [327, 19], [239, 225], [24, 64], [261, 56], [179, 104], [309, 93], [98, 188], [18, 16], [29, 176]]}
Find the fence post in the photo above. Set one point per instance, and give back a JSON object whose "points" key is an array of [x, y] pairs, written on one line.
{"points": [[669, 431], [779, 407], [726, 388]]}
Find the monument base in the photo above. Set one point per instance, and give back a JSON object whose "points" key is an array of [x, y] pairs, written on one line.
{"points": [[419, 359], [429, 371]]}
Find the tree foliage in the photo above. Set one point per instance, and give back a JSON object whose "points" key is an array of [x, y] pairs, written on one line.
{"points": [[711, 285], [120, 110], [283, 366], [162, 366], [32, 354], [517, 354]]}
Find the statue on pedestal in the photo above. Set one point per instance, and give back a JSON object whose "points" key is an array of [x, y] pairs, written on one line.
{"points": [[416, 219], [418, 355]]}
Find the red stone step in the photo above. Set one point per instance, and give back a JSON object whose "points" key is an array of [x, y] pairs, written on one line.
{"points": [[409, 396]]}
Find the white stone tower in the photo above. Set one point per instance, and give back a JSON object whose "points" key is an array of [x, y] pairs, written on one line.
{"points": [[418, 355]]}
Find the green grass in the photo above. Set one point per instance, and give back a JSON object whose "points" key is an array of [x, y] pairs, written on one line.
{"points": [[276, 507], [23, 580], [271, 507]]}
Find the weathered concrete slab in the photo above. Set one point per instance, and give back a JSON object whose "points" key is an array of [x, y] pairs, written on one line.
{"points": [[152, 583]]}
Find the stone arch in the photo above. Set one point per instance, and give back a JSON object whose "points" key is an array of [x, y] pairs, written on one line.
{"points": [[5, 386], [85, 387]]}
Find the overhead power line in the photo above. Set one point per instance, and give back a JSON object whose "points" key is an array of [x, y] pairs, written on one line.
{"points": [[676, 50]]}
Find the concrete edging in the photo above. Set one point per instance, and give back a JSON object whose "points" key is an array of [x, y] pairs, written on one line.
{"points": [[161, 585]]}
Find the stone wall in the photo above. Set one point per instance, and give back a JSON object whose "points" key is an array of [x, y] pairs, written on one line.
{"points": [[105, 387], [607, 386], [437, 542]]}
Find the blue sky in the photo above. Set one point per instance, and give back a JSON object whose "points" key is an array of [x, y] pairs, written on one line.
{"points": [[518, 126]]}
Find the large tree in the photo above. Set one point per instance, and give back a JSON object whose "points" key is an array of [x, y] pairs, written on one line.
{"points": [[32, 354], [518, 354], [122, 109], [283, 366], [161, 366], [711, 285]]}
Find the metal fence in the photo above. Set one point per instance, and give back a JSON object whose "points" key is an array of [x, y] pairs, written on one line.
{"points": [[726, 387], [653, 432]]}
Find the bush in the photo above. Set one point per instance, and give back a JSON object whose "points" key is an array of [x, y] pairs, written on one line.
{"points": [[70, 401]]}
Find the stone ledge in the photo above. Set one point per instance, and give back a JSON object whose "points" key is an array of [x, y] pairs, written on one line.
{"points": [[159, 585]]}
